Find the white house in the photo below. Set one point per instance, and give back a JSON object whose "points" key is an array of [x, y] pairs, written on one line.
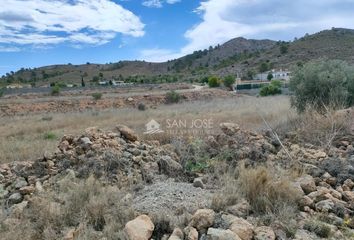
{"points": [[277, 75]]}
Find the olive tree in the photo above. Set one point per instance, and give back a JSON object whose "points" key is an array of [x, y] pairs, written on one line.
{"points": [[322, 85]]}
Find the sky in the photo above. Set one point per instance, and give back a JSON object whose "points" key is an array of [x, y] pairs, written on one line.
{"points": [[36, 33]]}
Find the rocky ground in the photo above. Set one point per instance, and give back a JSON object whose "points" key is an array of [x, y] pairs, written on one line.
{"points": [[169, 201]]}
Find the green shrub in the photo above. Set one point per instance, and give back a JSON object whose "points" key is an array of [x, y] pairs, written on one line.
{"points": [[321, 229], [323, 85], [172, 97], [270, 76], [271, 89], [50, 136], [141, 106], [213, 82], [97, 96], [229, 81], [1, 92], [55, 90]]}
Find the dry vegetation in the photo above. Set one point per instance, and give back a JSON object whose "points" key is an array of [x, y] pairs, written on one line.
{"points": [[28, 137]]}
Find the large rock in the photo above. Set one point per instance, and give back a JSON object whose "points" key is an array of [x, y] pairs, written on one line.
{"points": [[240, 209], [191, 233], [307, 184], [169, 166], [264, 233], [221, 234], [127, 133], [242, 228], [140, 228], [229, 128], [176, 235], [203, 219], [15, 198]]}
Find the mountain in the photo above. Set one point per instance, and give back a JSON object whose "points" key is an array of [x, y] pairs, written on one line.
{"points": [[238, 56]]}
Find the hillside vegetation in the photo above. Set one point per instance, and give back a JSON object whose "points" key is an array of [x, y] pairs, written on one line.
{"points": [[237, 56]]}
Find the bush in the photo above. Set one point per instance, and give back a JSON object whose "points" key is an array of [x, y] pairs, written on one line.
{"points": [[97, 96], [270, 76], [213, 82], [322, 85], [269, 193], [229, 81], [55, 90], [50, 136], [321, 229], [271, 89], [172, 97], [1, 92], [141, 107]]}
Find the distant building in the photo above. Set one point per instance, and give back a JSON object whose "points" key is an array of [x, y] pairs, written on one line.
{"points": [[277, 75], [16, 86]]}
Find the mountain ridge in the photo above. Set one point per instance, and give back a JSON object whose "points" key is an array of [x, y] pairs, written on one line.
{"points": [[238, 56]]}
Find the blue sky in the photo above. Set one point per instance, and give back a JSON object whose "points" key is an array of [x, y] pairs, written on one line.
{"points": [[43, 32]]}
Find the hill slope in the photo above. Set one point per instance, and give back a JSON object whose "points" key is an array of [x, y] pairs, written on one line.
{"points": [[237, 56]]}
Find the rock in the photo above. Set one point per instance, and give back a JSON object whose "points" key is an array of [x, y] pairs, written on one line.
{"points": [[325, 206], [320, 154], [130, 99], [240, 209], [177, 234], [203, 219], [229, 128], [349, 183], [242, 228], [140, 228], [198, 183], [306, 201], [191, 233], [127, 133], [27, 190], [85, 141], [20, 183], [303, 235], [15, 198], [307, 184], [169, 166], [39, 187], [264, 233], [221, 234], [348, 196]]}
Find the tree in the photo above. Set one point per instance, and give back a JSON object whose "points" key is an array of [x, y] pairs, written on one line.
{"points": [[229, 82], [284, 48], [271, 89], [322, 85], [82, 82], [264, 67], [270, 76], [213, 82]]}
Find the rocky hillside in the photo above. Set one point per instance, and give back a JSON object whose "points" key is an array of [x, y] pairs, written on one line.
{"points": [[238, 55], [238, 184]]}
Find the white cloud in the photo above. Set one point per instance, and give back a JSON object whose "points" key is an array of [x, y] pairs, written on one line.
{"points": [[222, 20], [158, 3], [9, 49], [57, 21], [158, 55], [172, 1], [153, 3]]}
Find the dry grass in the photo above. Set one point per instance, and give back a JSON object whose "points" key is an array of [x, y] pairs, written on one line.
{"points": [[317, 128], [22, 137], [268, 191], [94, 210]]}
